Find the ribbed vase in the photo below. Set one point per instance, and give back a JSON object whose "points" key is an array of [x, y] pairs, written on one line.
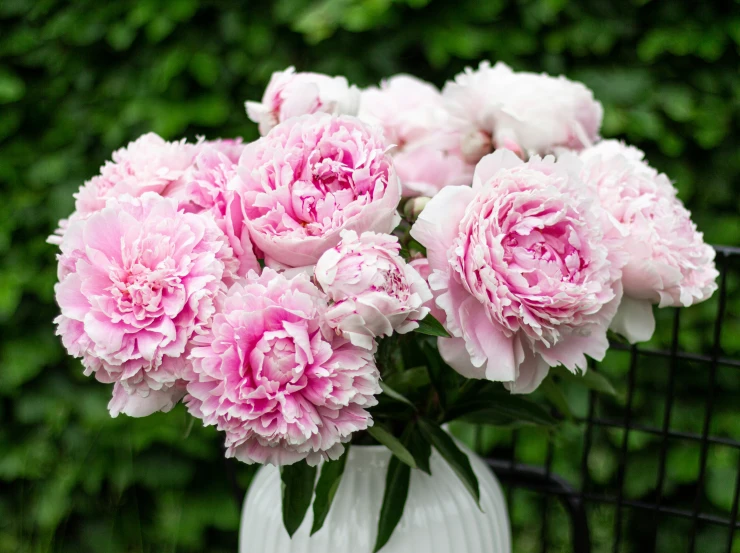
{"points": [[440, 515]]}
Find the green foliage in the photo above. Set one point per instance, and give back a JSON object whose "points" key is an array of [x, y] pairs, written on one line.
{"points": [[395, 493], [80, 79], [431, 327], [326, 489], [298, 482], [386, 438]]}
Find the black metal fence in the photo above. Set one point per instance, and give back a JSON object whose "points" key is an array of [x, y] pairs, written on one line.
{"points": [[678, 403]]}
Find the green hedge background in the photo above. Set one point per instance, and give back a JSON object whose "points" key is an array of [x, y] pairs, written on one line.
{"points": [[80, 79]]}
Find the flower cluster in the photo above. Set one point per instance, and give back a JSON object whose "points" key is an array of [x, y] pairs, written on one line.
{"points": [[258, 282]]}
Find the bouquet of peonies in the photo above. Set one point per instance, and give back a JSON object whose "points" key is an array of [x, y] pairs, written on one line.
{"points": [[379, 263]]}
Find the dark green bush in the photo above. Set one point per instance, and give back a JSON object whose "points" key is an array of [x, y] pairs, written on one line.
{"points": [[79, 79]]}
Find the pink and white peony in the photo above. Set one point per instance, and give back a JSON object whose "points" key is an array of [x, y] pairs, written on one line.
{"points": [[137, 280], [373, 290], [414, 120], [232, 148], [528, 113], [425, 168], [271, 380], [421, 266], [148, 164], [408, 109], [206, 191], [310, 178], [668, 262], [290, 94], [523, 266]]}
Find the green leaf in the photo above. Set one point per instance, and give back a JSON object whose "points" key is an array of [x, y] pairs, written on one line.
{"points": [[410, 379], [393, 394], [12, 87], [555, 396], [394, 500], [298, 481], [498, 408], [432, 327], [590, 379], [524, 412], [326, 489], [391, 442], [445, 379], [418, 446], [454, 456]]}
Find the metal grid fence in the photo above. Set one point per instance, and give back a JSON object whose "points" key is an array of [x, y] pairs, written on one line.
{"points": [[683, 513]]}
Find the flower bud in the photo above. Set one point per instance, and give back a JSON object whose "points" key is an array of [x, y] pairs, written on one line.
{"points": [[414, 207]]}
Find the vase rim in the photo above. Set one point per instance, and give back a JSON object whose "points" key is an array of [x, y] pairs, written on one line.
{"points": [[378, 453]]}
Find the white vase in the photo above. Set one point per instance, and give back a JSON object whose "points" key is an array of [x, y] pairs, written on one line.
{"points": [[440, 515]]}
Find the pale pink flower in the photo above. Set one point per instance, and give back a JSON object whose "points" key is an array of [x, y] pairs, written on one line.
{"points": [[528, 113], [374, 292], [206, 191], [421, 266], [232, 148], [424, 169], [290, 94], [524, 268], [668, 262], [148, 164], [414, 120], [408, 109], [137, 280], [310, 178], [271, 380]]}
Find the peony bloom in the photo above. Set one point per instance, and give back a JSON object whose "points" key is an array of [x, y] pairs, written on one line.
{"points": [[267, 376], [424, 169], [495, 107], [421, 266], [523, 266], [232, 148], [206, 190], [148, 164], [373, 290], [668, 262], [414, 120], [290, 94], [408, 109], [311, 178], [137, 280]]}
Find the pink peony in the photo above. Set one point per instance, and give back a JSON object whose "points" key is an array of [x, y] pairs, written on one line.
{"points": [[424, 169], [523, 266], [408, 109], [137, 280], [268, 377], [206, 190], [232, 148], [148, 164], [528, 113], [668, 261], [290, 94], [373, 290], [421, 266], [414, 120], [311, 178]]}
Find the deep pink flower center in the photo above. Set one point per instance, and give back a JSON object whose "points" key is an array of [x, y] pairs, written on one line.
{"points": [[140, 290], [394, 285], [543, 254]]}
